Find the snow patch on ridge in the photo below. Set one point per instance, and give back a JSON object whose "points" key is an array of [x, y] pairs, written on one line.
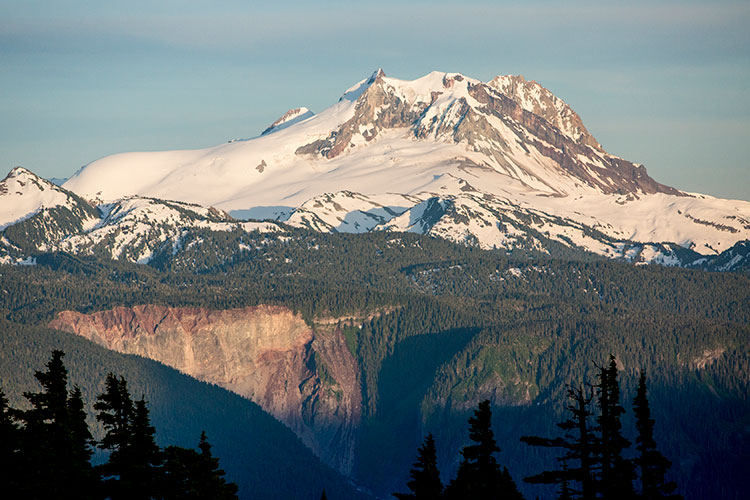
{"points": [[23, 194]]}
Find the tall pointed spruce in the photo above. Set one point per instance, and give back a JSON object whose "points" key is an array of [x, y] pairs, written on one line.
{"points": [[425, 481], [144, 456], [55, 438], [132, 469], [213, 485], [652, 464], [479, 475], [616, 473]]}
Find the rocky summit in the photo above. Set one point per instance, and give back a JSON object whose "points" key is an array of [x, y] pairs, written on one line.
{"points": [[501, 164]]}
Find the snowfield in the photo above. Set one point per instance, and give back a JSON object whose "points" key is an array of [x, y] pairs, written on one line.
{"points": [[491, 164]]}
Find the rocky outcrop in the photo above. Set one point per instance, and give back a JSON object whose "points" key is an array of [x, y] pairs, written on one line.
{"points": [[536, 99], [539, 120], [287, 119], [378, 108], [609, 174], [306, 377]]}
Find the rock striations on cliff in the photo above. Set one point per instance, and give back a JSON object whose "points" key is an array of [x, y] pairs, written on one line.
{"points": [[308, 379]]}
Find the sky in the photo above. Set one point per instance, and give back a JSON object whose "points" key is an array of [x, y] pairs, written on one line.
{"points": [[663, 83]]}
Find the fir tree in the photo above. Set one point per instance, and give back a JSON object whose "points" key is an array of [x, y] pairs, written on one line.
{"points": [[616, 473], [115, 412], [86, 482], [577, 443], [425, 481], [213, 485], [55, 439], [565, 492], [479, 475], [144, 456], [178, 478], [652, 464], [192, 475], [132, 469], [323, 495]]}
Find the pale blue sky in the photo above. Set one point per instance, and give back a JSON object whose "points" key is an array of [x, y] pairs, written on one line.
{"points": [[662, 83]]}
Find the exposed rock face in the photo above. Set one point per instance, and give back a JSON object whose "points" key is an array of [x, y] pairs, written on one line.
{"points": [[377, 108], [492, 118], [287, 119], [608, 173], [538, 100], [266, 353]]}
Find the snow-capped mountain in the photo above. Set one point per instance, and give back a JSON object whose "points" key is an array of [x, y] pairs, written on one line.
{"points": [[44, 218], [502, 164], [35, 215], [288, 119], [23, 194]]}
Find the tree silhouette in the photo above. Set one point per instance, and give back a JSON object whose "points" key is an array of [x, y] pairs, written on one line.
{"points": [[652, 464], [55, 441], [10, 451], [193, 475], [577, 445], [132, 469], [425, 481], [479, 475], [616, 473]]}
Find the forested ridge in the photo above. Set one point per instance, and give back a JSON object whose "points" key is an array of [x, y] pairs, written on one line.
{"points": [[515, 330]]}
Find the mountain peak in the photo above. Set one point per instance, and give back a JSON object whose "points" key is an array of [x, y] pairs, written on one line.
{"points": [[355, 91], [23, 193], [289, 118], [378, 73], [536, 99], [22, 179], [20, 171]]}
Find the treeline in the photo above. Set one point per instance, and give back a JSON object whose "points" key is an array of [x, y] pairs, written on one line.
{"points": [[46, 450], [593, 463], [329, 274], [530, 327]]}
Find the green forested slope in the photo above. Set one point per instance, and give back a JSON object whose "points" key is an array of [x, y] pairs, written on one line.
{"points": [[462, 324]]}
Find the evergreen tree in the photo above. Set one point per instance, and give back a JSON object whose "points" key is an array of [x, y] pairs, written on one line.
{"points": [[56, 443], [132, 469], [10, 444], [425, 481], [652, 464], [86, 484], [565, 492], [115, 412], [479, 475], [144, 456], [192, 475], [616, 473], [577, 443], [323, 495], [213, 484], [178, 478]]}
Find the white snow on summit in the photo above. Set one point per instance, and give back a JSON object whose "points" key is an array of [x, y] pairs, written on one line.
{"points": [[288, 119], [23, 194], [494, 150]]}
